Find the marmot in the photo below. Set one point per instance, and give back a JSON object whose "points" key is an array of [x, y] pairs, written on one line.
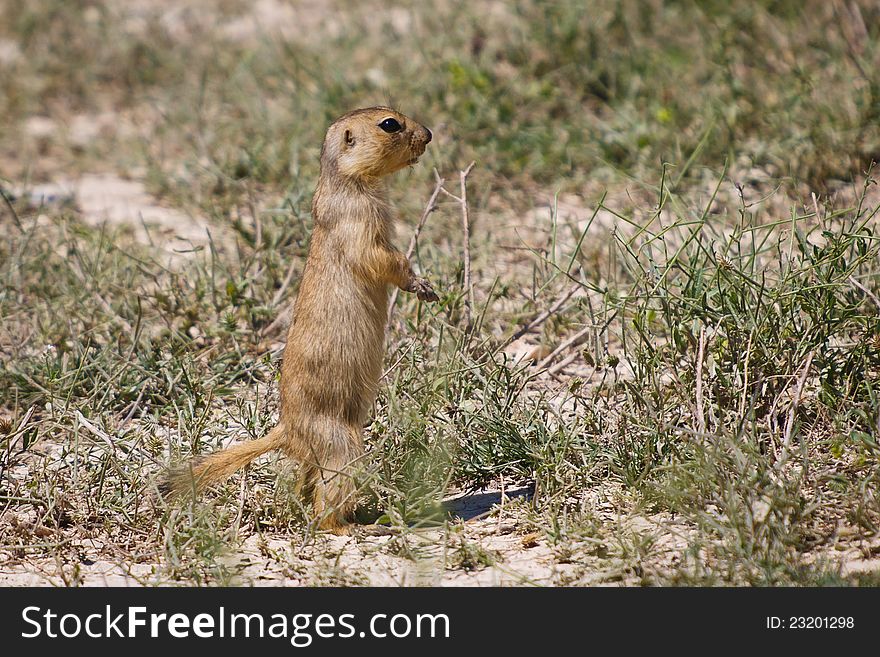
{"points": [[332, 362]]}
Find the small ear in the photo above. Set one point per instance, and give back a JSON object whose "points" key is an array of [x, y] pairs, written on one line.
{"points": [[349, 138]]}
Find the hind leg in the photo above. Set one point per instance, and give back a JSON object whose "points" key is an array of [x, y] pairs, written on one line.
{"points": [[334, 495], [305, 481], [328, 475]]}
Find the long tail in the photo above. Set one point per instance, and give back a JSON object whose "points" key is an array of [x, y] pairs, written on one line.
{"points": [[202, 471]]}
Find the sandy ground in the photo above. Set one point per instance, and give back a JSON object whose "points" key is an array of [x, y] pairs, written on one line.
{"points": [[106, 198], [483, 545]]}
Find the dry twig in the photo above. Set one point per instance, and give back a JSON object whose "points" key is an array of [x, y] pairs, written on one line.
{"points": [[429, 208], [565, 345], [541, 318], [701, 418], [466, 230]]}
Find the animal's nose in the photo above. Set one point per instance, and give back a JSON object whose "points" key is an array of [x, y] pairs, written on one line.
{"points": [[428, 140]]}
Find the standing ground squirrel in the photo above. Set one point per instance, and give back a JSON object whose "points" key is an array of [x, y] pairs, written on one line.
{"points": [[333, 358]]}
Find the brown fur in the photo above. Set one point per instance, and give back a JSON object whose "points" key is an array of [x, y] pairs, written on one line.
{"points": [[333, 358]]}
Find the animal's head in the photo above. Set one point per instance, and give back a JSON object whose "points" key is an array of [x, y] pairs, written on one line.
{"points": [[373, 142]]}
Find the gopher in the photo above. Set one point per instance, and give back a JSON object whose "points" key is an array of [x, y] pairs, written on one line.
{"points": [[332, 361]]}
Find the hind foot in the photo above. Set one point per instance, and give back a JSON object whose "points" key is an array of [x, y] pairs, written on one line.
{"points": [[336, 525]]}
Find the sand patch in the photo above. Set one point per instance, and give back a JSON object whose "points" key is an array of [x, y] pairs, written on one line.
{"points": [[110, 199]]}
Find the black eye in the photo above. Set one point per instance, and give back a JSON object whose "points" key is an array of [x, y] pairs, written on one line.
{"points": [[391, 125]]}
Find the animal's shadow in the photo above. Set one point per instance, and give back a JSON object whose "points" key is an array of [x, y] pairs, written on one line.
{"points": [[470, 506]]}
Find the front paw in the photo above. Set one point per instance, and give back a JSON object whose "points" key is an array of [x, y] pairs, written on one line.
{"points": [[423, 289]]}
